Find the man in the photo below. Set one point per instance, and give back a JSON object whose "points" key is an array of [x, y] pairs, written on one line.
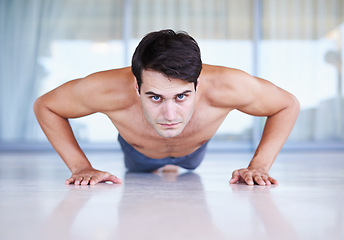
{"points": [[166, 109]]}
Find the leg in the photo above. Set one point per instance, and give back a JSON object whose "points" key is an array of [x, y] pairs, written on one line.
{"points": [[168, 168]]}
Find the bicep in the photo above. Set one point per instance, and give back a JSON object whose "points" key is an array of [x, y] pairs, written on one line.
{"points": [[264, 98], [106, 91], [70, 100]]}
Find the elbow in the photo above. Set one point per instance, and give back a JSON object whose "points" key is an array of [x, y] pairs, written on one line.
{"points": [[38, 106], [294, 105]]}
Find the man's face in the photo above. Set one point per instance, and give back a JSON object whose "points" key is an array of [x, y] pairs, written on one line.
{"points": [[167, 104]]}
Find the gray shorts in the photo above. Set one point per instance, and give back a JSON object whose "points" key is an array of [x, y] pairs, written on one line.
{"points": [[137, 162]]}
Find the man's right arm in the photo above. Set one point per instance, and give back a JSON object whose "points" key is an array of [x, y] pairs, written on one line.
{"points": [[73, 99]]}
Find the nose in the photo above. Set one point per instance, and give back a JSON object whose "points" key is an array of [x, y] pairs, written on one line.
{"points": [[169, 110]]}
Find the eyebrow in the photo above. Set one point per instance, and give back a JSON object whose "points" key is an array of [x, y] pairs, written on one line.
{"points": [[159, 95]]}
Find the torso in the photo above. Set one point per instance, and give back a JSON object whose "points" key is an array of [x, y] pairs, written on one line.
{"points": [[134, 128]]}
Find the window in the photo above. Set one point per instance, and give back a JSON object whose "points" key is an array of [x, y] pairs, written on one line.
{"points": [[298, 46]]}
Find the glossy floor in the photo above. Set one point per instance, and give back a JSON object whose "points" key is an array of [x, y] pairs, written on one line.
{"points": [[307, 204]]}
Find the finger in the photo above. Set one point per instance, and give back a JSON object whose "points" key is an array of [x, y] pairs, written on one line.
{"points": [[86, 181], [247, 176], [107, 177], [112, 178], [69, 181], [273, 181], [266, 180], [259, 180], [78, 180], [235, 177]]}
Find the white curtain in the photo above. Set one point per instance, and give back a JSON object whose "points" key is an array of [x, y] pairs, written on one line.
{"points": [[44, 43], [47, 42], [301, 51], [29, 31], [20, 25], [202, 19]]}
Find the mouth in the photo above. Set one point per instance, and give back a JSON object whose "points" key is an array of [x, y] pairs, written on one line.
{"points": [[168, 125]]}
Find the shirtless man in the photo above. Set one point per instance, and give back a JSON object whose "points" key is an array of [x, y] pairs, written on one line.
{"points": [[166, 108]]}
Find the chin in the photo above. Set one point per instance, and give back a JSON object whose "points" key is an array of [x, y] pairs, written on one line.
{"points": [[170, 133]]}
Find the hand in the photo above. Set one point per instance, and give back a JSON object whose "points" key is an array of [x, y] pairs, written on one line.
{"points": [[252, 176], [91, 176]]}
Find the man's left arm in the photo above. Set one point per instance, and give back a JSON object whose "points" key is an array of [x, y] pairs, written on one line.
{"points": [[281, 109]]}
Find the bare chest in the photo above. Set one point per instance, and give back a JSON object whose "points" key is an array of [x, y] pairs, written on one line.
{"points": [[135, 129]]}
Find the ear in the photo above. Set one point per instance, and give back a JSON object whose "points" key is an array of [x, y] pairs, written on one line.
{"points": [[137, 89], [197, 84]]}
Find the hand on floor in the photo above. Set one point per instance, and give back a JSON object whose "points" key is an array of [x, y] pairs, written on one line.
{"points": [[91, 176], [252, 176]]}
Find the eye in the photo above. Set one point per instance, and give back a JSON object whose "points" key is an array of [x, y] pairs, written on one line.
{"points": [[156, 98], [181, 97]]}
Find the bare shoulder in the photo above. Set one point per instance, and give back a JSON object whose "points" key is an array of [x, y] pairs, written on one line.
{"points": [[107, 90], [226, 87], [235, 89]]}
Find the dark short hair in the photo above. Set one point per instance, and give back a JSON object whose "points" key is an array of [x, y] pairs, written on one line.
{"points": [[174, 54]]}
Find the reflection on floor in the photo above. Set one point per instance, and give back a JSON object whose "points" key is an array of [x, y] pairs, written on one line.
{"points": [[307, 204]]}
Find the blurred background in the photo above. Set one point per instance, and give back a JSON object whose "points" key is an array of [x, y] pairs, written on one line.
{"points": [[296, 44]]}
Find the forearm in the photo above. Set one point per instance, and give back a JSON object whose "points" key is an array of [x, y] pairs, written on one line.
{"points": [[276, 131], [60, 135]]}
